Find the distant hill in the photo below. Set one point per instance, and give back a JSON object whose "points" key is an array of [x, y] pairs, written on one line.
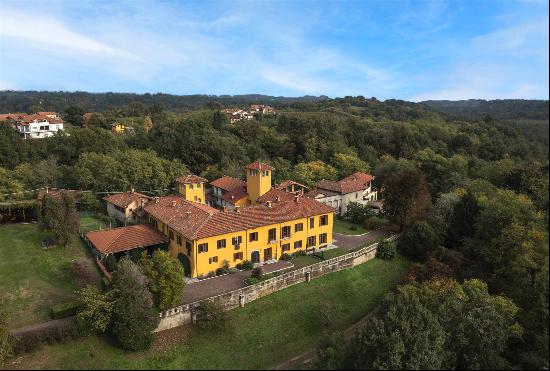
{"points": [[23, 101], [501, 109]]}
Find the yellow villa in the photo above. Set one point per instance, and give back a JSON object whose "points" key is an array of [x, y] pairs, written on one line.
{"points": [[270, 223]]}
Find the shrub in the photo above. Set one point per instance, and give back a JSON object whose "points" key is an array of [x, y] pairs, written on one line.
{"points": [[134, 317], [257, 272], [246, 265], [251, 281], [220, 271], [418, 241], [300, 253], [165, 278], [353, 227], [110, 263], [82, 273], [27, 343], [286, 257], [386, 250], [357, 213], [211, 274], [374, 222], [211, 315], [95, 312], [64, 310], [33, 340]]}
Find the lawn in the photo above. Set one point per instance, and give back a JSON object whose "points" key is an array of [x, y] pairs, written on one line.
{"points": [[34, 279], [258, 336], [344, 227], [91, 223]]}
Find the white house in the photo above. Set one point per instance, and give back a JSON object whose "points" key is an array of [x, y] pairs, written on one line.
{"points": [[338, 194], [39, 125]]}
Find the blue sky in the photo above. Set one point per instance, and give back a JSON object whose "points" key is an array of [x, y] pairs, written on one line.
{"points": [[411, 50]]}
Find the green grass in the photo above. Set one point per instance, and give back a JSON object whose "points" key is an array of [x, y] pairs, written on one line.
{"points": [[33, 279], [260, 335], [344, 227], [91, 223]]}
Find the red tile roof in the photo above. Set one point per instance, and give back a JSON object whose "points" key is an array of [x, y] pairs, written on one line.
{"points": [[257, 165], [191, 179], [126, 198], [228, 183], [196, 221], [286, 183], [235, 195], [125, 238], [275, 195], [353, 183], [56, 193]]}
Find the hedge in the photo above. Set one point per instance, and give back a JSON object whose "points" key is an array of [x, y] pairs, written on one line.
{"points": [[64, 310]]}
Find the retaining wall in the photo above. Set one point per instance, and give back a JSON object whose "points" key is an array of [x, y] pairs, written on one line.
{"points": [[186, 314]]}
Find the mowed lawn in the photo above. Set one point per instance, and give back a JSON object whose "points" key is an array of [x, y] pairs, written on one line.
{"points": [[33, 279], [260, 335], [344, 227]]}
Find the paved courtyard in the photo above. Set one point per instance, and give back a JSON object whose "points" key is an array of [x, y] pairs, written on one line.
{"points": [[219, 285]]}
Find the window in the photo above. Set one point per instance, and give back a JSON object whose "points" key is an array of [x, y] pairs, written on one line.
{"points": [[253, 236], [236, 241], [298, 244], [190, 186], [357, 195], [311, 241], [171, 234], [221, 243], [213, 259], [286, 247], [265, 173], [323, 238], [179, 240], [285, 232], [238, 256], [198, 185], [271, 235], [299, 227], [196, 198], [203, 247], [323, 220], [188, 247], [311, 222]]}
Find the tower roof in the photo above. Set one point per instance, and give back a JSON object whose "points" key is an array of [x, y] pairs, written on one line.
{"points": [[191, 179], [258, 165]]}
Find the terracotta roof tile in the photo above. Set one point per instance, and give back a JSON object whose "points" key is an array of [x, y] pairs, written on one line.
{"points": [[191, 179], [353, 183], [228, 183], [257, 165], [125, 238], [235, 194], [195, 221], [126, 198]]}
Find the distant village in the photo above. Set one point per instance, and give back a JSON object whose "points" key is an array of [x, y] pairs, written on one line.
{"points": [[47, 124]]}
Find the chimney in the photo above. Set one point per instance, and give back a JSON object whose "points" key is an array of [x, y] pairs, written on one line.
{"points": [[268, 203], [157, 200], [224, 209], [189, 215], [173, 203], [132, 189], [277, 199], [237, 209], [296, 197]]}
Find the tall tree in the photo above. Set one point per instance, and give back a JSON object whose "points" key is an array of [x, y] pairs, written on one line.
{"points": [[165, 279]]}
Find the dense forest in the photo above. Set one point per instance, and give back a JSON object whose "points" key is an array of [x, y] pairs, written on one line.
{"points": [[469, 189], [501, 109]]}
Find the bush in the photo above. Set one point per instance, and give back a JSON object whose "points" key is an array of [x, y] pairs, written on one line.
{"points": [[356, 213], [419, 241], [286, 257], [220, 271], [64, 310], [31, 341], [110, 263], [95, 312], [353, 227], [27, 343], [300, 253], [251, 281], [211, 274], [374, 222], [211, 315], [386, 250], [246, 265], [257, 272]]}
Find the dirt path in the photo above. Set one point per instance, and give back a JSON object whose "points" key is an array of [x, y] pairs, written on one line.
{"points": [[42, 326], [304, 360]]}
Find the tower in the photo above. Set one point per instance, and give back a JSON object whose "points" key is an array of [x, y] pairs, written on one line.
{"points": [[258, 180], [192, 188]]}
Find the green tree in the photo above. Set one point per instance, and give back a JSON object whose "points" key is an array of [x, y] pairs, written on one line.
{"points": [[75, 115], [219, 120], [96, 310], [419, 240], [147, 123], [165, 279], [406, 196], [134, 317], [347, 164], [309, 173]]}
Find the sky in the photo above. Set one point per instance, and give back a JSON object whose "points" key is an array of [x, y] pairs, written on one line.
{"points": [[412, 50]]}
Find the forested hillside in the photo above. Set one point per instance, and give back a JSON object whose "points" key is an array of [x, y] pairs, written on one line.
{"points": [[501, 109], [470, 194]]}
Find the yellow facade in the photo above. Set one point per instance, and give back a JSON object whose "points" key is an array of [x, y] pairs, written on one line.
{"points": [[192, 192], [258, 182], [203, 261], [117, 128]]}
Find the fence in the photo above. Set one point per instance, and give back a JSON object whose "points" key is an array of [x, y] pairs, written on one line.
{"points": [[186, 314]]}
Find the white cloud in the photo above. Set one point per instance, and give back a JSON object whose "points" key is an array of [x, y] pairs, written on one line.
{"points": [[46, 32]]}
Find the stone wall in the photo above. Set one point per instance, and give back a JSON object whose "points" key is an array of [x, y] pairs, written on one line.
{"points": [[186, 314]]}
